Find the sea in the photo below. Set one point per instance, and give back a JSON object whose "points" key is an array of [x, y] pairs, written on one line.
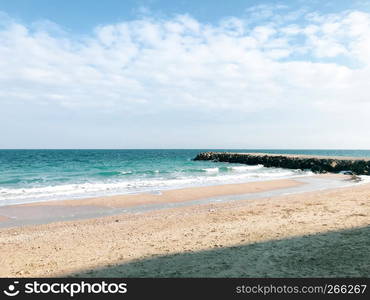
{"points": [[43, 175]]}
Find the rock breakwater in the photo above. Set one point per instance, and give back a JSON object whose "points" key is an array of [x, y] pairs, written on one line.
{"points": [[317, 164]]}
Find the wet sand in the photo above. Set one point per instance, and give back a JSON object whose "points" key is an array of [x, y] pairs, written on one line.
{"points": [[3, 218], [322, 233], [177, 195]]}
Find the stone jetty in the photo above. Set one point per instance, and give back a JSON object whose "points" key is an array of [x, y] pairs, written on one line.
{"points": [[317, 164]]}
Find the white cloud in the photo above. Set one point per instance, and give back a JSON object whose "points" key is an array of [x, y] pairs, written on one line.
{"points": [[153, 66]]}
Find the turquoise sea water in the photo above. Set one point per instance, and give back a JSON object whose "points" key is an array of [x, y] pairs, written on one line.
{"points": [[39, 175]]}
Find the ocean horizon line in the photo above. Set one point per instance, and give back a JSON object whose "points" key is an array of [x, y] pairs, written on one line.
{"points": [[254, 149]]}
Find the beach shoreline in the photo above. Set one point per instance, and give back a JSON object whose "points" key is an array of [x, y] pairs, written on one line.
{"points": [[86, 208], [135, 244]]}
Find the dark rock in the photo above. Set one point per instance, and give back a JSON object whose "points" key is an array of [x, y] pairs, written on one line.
{"points": [[315, 164]]}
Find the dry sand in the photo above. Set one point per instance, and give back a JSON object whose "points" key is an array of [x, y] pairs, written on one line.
{"points": [[312, 234]]}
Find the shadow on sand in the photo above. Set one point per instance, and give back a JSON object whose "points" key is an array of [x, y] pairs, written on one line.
{"points": [[333, 254]]}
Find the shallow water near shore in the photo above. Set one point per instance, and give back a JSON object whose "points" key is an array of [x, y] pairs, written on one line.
{"points": [[41, 175]]}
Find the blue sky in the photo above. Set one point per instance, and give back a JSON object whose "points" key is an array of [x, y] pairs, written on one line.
{"points": [[184, 74], [83, 15]]}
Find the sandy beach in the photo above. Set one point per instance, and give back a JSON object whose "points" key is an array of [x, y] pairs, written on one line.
{"points": [[165, 139], [322, 233]]}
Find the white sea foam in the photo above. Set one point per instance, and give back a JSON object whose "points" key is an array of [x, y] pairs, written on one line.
{"points": [[211, 170], [211, 176], [126, 172], [245, 168], [365, 178]]}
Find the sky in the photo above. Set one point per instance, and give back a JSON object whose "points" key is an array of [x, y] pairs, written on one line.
{"points": [[185, 74]]}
